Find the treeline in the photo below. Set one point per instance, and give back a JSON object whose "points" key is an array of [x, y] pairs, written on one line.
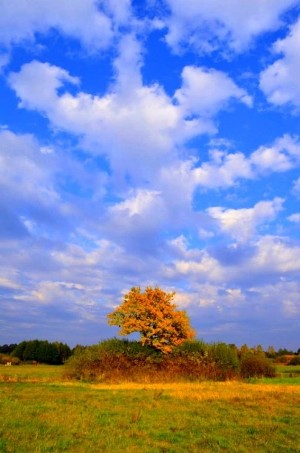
{"points": [[41, 351], [115, 357], [118, 360]]}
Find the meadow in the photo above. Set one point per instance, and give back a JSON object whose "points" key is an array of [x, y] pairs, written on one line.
{"points": [[41, 411]]}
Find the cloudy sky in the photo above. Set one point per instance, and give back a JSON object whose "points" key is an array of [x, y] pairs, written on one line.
{"points": [[150, 142]]}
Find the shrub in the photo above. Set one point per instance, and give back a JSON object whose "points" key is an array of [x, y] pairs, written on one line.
{"points": [[117, 360], [4, 358], [225, 358], [295, 360], [113, 360], [192, 348], [283, 359], [257, 366]]}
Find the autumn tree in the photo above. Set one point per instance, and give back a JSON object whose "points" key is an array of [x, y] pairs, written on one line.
{"points": [[154, 316]]}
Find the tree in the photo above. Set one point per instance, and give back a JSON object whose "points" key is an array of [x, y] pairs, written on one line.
{"points": [[154, 316]]}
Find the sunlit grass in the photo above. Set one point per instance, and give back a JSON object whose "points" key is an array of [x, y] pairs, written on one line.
{"points": [[45, 416], [40, 373]]}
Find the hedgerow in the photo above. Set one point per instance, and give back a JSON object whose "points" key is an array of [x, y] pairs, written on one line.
{"points": [[118, 360]]}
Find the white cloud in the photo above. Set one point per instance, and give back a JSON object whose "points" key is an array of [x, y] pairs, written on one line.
{"points": [[206, 269], [283, 155], [225, 169], [177, 184], [138, 127], [21, 20], [20, 157], [119, 10], [241, 224], [275, 256], [207, 25], [46, 80], [294, 218], [205, 92], [282, 296], [280, 81], [296, 187], [34, 186], [141, 203], [192, 263]]}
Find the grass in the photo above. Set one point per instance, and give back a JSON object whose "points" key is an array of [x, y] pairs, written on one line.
{"points": [[31, 373], [287, 370], [285, 375], [42, 413]]}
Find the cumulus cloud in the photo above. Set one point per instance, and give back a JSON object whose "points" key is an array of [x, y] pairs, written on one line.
{"points": [[46, 79], [225, 169], [205, 92], [133, 128], [280, 81], [21, 20], [207, 25], [295, 218], [241, 224], [138, 127], [192, 263], [283, 155], [267, 259], [276, 255]]}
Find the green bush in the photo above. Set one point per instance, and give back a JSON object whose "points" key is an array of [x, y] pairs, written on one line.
{"points": [[191, 348], [126, 347], [257, 366], [225, 358]]}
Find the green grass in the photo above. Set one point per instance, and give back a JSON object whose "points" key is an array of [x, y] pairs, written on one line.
{"points": [[40, 413], [288, 370], [32, 373], [285, 375]]}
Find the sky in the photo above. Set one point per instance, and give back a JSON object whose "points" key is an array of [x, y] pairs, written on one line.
{"points": [[150, 143]]}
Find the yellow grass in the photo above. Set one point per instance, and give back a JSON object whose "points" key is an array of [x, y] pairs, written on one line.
{"points": [[207, 390]]}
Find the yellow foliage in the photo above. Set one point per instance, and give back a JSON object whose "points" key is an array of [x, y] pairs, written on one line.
{"points": [[154, 316]]}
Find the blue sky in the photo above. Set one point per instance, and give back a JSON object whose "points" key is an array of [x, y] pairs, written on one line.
{"points": [[150, 143]]}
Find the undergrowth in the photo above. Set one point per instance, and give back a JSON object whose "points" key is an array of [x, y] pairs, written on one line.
{"points": [[122, 360]]}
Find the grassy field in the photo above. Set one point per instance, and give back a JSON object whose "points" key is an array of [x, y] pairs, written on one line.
{"points": [[40, 412]]}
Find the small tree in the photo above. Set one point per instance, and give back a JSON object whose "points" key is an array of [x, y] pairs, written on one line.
{"points": [[154, 316]]}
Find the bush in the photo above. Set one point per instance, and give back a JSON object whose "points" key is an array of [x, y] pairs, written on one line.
{"points": [[113, 360], [225, 358], [119, 360], [4, 358], [192, 348], [295, 361], [257, 366]]}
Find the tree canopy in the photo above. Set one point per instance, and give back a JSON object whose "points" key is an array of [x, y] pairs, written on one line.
{"points": [[154, 316], [42, 351]]}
